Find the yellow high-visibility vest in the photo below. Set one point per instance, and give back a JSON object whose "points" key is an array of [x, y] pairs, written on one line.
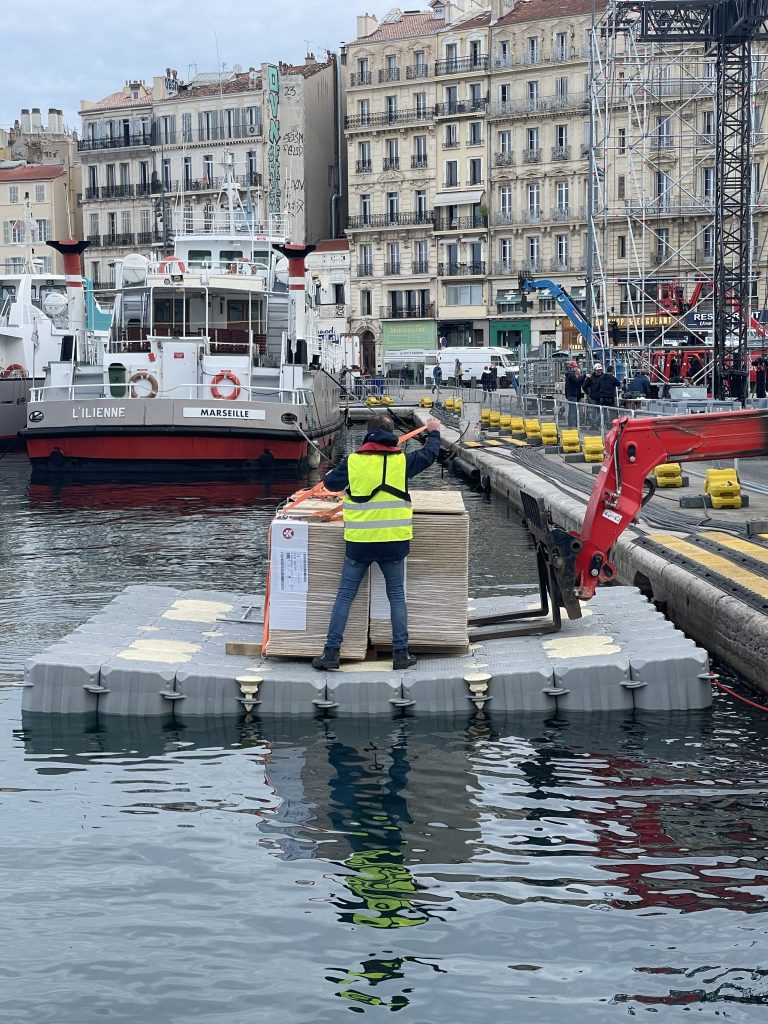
{"points": [[377, 505]]}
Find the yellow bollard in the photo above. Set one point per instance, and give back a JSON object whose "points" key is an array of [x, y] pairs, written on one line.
{"points": [[517, 426], [593, 449], [425, 402], [570, 442], [504, 423], [532, 428], [669, 474], [723, 488], [549, 433]]}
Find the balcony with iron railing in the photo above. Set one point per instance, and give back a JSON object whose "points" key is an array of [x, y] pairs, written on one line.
{"points": [[451, 144], [532, 215], [420, 267], [118, 239], [504, 159], [504, 218], [386, 118], [417, 71], [705, 140], [532, 156], [456, 107], [461, 269], [584, 149], [389, 75], [365, 270], [531, 267], [391, 163], [705, 256], [407, 312], [94, 241], [503, 267], [147, 237], [116, 191], [549, 105], [560, 213], [117, 142], [478, 222], [561, 152], [363, 166], [360, 78], [385, 220], [419, 162], [461, 65], [474, 182], [392, 269], [662, 142], [560, 263]]}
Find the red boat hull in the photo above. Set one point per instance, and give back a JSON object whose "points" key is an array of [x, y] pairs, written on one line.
{"points": [[155, 452]]}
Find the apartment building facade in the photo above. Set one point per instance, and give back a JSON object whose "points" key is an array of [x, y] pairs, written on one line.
{"points": [[34, 207], [468, 144], [154, 158]]}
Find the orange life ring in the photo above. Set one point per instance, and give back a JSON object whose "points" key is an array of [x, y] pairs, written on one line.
{"points": [[143, 375], [171, 265], [234, 381], [15, 371]]}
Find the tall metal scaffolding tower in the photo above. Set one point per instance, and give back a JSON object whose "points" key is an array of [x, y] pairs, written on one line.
{"points": [[673, 116]]}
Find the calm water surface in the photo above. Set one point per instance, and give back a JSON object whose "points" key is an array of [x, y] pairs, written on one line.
{"points": [[455, 870]]}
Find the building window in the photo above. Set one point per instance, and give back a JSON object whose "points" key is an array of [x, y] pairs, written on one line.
{"points": [[505, 94], [43, 229], [126, 222], [93, 224], [532, 50], [533, 251], [13, 193], [562, 193], [475, 133], [561, 136], [561, 249], [364, 111], [186, 169], [621, 186], [166, 173], [451, 173], [39, 193], [534, 198], [364, 156], [561, 89], [420, 103], [365, 303], [464, 294], [505, 254], [365, 209], [393, 258], [708, 182], [208, 179], [622, 139], [561, 46], [662, 243], [391, 107], [420, 202], [532, 139], [475, 171], [451, 136], [505, 200], [505, 142], [621, 246], [393, 207], [186, 127], [532, 92], [145, 223]]}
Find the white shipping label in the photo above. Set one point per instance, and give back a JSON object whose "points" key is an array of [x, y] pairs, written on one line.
{"points": [[293, 574], [379, 601], [289, 574], [613, 516]]}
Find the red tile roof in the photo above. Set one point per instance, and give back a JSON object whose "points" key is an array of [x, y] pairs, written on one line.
{"points": [[420, 23], [333, 245], [118, 99], [534, 10], [32, 172]]}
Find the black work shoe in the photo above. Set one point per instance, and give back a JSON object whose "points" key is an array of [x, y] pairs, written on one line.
{"points": [[402, 659], [328, 660]]}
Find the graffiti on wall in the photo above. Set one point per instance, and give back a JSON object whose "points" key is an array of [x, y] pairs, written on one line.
{"points": [[273, 152]]}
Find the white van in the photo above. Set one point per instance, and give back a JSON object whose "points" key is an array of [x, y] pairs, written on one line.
{"points": [[473, 361]]}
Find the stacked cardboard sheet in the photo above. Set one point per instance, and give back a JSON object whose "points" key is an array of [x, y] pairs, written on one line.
{"points": [[437, 577], [305, 569]]}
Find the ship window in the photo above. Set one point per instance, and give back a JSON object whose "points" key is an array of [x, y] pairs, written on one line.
{"points": [[230, 255], [199, 258]]}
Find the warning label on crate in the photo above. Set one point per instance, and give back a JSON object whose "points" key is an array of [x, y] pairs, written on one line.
{"points": [[289, 574]]}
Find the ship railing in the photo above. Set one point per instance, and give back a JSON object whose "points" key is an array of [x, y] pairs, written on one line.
{"points": [[105, 391]]}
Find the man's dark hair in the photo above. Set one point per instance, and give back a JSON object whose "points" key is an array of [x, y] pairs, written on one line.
{"points": [[381, 421]]}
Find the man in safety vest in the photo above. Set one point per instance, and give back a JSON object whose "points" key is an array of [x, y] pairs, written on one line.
{"points": [[378, 527]]}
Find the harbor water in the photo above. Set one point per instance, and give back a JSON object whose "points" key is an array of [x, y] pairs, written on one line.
{"points": [[464, 869]]}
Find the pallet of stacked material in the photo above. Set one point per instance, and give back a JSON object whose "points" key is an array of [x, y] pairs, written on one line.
{"points": [[437, 578], [306, 557]]}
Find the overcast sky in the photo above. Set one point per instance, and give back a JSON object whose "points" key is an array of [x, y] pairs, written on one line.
{"points": [[58, 52]]}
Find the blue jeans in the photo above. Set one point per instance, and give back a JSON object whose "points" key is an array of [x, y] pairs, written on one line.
{"points": [[573, 412], [352, 575]]}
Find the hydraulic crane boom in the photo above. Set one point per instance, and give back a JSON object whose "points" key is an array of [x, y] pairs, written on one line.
{"points": [[565, 302], [633, 449]]}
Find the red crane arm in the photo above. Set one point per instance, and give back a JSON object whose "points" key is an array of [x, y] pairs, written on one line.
{"points": [[633, 449]]}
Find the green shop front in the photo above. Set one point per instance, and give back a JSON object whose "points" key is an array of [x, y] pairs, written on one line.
{"points": [[404, 344]]}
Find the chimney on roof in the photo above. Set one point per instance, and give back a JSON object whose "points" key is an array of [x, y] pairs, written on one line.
{"points": [[310, 59], [26, 125], [366, 25], [36, 122], [53, 121], [499, 8]]}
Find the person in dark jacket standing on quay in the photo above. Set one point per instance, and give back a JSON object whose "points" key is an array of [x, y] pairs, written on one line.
{"points": [[640, 384], [378, 527], [574, 379]]}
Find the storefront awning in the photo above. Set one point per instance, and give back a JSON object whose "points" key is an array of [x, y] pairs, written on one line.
{"points": [[467, 195]]}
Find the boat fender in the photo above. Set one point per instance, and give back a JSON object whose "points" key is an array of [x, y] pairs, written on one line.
{"points": [[233, 380], [15, 371], [143, 375], [56, 458]]}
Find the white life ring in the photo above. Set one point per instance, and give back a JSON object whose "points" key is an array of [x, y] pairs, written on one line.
{"points": [[143, 375], [233, 380], [172, 265]]}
